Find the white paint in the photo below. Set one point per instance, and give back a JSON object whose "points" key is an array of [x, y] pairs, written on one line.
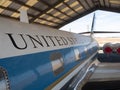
{"points": [[10, 26], [23, 16], [68, 77]]}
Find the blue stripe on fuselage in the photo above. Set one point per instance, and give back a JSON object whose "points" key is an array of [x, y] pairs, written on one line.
{"points": [[34, 71]]}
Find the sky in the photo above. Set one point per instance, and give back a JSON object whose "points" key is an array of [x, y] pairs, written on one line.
{"points": [[104, 21]]}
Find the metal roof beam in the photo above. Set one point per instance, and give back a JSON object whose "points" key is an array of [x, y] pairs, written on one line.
{"points": [[93, 2], [23, 4], [51, 16], [6, 16], [81, 4], [99, 3], [87, 4], [44, 24], [77, 17], [59, 1], [104, 3], [9, 9], [110, 9], [13, 10], [96, 3], [70, 7], [49, 20], [41, 12], [51, 6]]}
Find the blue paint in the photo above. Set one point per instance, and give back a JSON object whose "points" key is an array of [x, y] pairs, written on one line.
{"points": [[34, 71]]}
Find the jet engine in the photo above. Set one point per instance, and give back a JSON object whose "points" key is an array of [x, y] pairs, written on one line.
{"points": [[109, 48]]}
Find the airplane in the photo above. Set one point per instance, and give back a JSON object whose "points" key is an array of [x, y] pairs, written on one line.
{"points": [[109, 48], [35, 57], [107, 73]]}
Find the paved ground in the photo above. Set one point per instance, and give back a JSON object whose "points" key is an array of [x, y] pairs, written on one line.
{"points": [[105, 85], [113, 85]]}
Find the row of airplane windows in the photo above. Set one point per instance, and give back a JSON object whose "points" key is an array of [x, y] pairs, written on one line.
{"points": [[57, 61]]}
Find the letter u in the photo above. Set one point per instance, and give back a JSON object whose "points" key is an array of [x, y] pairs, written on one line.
{"points": [[14, 43]]}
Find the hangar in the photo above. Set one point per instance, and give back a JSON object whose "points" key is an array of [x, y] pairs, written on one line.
{"points": [[55, 13], [51, 13]]}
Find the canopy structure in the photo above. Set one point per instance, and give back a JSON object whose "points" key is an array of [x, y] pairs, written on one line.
{"points": [[55, 13]]}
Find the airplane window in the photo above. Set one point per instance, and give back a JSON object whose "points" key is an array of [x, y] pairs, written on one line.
{"points": [[3, 82], [86, 50], [77, 54], [57, 63]]}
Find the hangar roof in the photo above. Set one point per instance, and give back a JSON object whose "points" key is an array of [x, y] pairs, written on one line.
{"points": [[55, 13]]}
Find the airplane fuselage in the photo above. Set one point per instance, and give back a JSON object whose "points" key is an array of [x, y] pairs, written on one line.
{"points": [[35, 57]]}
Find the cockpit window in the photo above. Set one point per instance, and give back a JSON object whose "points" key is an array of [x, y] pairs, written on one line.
{"points": [[57, 63], [3, 80], [77, 54]]}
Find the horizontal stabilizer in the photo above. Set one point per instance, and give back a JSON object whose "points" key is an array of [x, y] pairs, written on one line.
{"points": [[99, 32]]}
